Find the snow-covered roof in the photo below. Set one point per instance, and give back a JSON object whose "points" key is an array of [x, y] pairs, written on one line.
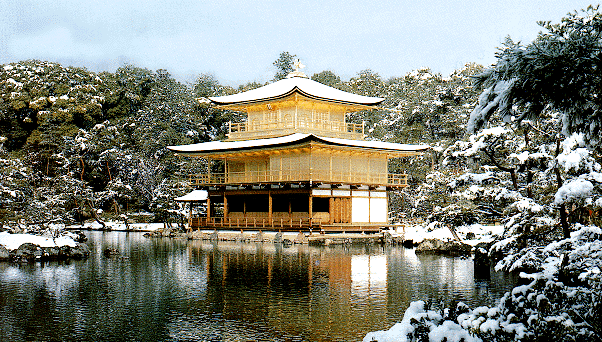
{"points": [[288, 86], [193, 196], [222, 146]]}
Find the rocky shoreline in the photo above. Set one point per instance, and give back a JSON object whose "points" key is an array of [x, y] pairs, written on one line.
{"points": [[287, 238], [28, 252], [428, 246]]}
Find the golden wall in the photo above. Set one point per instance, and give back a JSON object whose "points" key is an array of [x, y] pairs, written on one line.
{"points": [[316, 164]]}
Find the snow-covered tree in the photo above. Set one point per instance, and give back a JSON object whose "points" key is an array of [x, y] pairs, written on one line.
{"points": [[558, 71]]}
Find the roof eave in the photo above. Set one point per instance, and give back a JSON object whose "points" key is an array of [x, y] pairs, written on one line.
{"points": [[291, 92], [304, 140]]}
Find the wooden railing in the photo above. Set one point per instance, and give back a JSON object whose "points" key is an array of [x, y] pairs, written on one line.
{"points": [[255, 223], [246, 130], [278, 224], [325, 176]]}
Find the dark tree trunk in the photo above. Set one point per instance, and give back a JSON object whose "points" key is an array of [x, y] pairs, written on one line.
{"points": [[566, 231]]}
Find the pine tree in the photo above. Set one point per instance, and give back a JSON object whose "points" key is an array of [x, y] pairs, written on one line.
{"points": [[559, 71], [284, 65]]}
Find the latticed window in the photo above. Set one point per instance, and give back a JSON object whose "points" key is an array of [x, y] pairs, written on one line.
{"points": [[270, 117], [321, 116]]}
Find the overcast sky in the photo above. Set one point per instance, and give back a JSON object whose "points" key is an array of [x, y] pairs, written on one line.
{"points": [[237, 41]]}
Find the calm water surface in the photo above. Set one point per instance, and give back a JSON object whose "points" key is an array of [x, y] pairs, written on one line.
{"points": [[178, 290]]}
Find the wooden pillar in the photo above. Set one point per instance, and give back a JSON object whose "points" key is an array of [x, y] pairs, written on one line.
{"points": [[369, 204], [208, 174], [311, 210], [226, 177], [331, 210], [311, 167], [296, 110], [225, 206], [369, 177], [190, 216], [330, 167], [270, 207], [208, 208], [350, 163]]}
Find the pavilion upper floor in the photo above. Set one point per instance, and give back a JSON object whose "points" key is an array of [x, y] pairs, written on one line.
{"points": [[298, 158], [295, 104], [295, 114]]}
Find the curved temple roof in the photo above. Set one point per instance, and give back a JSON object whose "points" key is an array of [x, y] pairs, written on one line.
{"points": [[288, 86], [225, 146]]}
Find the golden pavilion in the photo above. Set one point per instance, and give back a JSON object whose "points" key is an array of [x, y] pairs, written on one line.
{"points": [[295, 164]]}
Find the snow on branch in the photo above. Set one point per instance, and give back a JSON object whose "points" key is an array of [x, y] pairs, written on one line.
{"points": [[473, 178], [574, 190], [492, 98]]}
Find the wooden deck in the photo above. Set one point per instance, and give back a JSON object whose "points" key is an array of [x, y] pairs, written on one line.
{"points": [[291, 225]]}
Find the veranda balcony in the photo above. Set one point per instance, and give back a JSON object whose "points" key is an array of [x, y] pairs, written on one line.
{"points": [[278, 224], [266, 129], [293, 176]]}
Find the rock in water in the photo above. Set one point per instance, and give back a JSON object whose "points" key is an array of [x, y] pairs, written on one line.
{"points": [[109, 252], [481, 258], [429, 246], [436, 246], [81, 237], [80, 251], [28, 251], [301, 238], [4, 254]]}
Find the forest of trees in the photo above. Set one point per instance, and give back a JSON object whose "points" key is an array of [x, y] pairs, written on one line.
{"points": [[74, 141]]}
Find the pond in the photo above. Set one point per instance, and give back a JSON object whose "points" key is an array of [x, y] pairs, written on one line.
{"points": [[179, 290]]}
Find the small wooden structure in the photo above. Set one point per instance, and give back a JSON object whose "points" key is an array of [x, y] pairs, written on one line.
{"points": [[295, 163], [195, 196]]}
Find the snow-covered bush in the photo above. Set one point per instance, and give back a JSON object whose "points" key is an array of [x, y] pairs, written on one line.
{"points": [[561, 302]]}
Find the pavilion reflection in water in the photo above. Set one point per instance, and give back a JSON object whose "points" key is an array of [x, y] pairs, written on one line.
{"points": [[291, 288]]}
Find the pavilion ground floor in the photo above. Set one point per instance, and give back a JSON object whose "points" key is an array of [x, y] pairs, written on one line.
{"points": [[301, 207]]}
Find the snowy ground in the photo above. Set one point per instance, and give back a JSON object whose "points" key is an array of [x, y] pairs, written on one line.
{"points": [[416, 233], [119, 226], [66, 238], [483, 233], [13, 241]]}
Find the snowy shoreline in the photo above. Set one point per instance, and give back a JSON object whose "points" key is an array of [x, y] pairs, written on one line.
{"points": [[118, 226], [14, 241], [28, 247]]}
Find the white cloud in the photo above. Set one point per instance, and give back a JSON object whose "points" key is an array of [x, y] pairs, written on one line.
{"points": [[56, 42], [238, 41]]}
